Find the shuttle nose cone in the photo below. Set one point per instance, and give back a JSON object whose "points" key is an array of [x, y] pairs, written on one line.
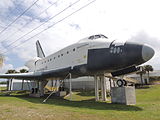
{"points": [[147, 53]]}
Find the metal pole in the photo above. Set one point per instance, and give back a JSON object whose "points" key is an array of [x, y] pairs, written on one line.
{"points": [[70, 86]]}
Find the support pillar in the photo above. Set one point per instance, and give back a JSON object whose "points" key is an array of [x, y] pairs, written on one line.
{"points": [[103, 88], [110, 83], [96, 88], [22, 84], [28, 85], [114, 83], [10, 84], [70, 86]]}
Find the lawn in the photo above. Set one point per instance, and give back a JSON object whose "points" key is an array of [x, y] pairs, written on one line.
{"points": [[19, 106], [3, 88]]}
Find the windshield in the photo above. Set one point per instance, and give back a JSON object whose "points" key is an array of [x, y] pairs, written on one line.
{"points": [[97, 36]]}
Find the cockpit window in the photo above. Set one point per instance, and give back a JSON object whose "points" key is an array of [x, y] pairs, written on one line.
{"points": [[91, 37], [97, 36], [103, 36]]}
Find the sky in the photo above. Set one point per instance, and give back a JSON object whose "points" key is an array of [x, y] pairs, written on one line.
{"points": [[132, 20]]}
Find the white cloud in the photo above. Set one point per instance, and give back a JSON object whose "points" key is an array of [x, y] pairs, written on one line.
{"points": [[6, 67], [5, 4], [143, 38], [23, 67], [125, 19]]}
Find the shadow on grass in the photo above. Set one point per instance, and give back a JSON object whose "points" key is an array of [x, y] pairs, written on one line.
{"points": [[89, 104]]}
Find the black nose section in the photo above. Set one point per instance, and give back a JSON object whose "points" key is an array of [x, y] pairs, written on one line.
{"points": [[147, 52], [138, 53]]}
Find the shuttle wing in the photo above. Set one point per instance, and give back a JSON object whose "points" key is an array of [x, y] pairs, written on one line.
{"points": [[40, 75], [29, 75]]}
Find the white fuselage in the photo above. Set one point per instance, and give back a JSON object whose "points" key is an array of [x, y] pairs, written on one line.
{"points": [[73, 55]]}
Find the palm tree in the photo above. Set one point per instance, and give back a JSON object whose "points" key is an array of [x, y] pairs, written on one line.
{"points": [[141, 72], [23, 71], [148, 68], [11, 71]]}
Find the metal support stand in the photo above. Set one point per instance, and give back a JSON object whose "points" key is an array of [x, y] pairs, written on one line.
{"points": [[69, 75], [48, 97]]}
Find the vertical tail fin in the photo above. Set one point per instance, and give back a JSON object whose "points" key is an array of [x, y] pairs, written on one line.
{"points": [[40, 52]]}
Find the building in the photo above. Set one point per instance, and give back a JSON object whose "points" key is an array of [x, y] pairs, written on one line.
{"points": [[79, 83]]}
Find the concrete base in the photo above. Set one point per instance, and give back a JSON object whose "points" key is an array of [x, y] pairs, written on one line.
{"points": [[123, 95]]}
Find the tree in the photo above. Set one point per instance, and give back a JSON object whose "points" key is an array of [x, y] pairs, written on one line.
{"points": [[11, 71], [148, 68], [23, 71], [141, 72]]}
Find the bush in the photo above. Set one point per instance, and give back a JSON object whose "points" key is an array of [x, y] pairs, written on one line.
{"points": [[3, 82]]}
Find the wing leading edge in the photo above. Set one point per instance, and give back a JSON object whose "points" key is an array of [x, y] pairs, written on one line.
{"points": [[39, 75]]}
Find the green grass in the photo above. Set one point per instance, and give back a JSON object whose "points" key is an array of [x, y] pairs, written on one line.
{"points": [[3, 88], [18, 106]]}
